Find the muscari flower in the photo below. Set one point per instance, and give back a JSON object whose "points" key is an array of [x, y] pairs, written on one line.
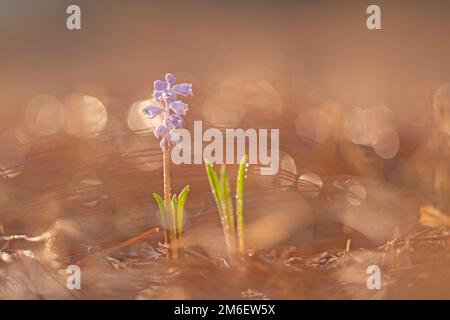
{"points": [[165, 92]]}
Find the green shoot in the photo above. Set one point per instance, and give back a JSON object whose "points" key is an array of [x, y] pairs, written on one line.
{"points": [[218, 197], [173, 211], [240, 191], [228, 204], [162, 210], [182, 198], [173, 225], [232, 222]]}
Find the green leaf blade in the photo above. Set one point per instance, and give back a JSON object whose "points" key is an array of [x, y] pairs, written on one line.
{"points": [[182, 198], [215, 186], [227, 203], [173, 212], [240, 193], [218, 197], [162, 210]]}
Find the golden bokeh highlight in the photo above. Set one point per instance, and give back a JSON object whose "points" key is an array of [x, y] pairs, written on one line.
{"points": [[84, 116]]}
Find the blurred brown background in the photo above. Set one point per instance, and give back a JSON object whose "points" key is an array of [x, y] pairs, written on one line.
{"points": [[306, 49], [273, 59]]}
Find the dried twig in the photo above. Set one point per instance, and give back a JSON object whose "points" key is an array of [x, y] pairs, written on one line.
{"points": [[131, 241], [43, 237], [400, 242], [147, 234]]}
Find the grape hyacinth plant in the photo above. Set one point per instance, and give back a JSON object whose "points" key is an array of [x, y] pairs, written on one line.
{"points": [[232, 221], [171, 208]]}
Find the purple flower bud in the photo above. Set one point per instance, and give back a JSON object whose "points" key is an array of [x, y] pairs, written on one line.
{"points": [[161, 131], [170, 78], [179, 107], [176, 120], [170, 96], [152, 111], [159, 85], [168, 124], [184, 89], [158, 95]]}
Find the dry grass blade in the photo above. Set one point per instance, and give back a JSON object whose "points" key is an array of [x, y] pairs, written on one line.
{"points": [[433, 217]]}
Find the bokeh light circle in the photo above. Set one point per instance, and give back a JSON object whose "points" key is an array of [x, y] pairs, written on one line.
{"points": [[85, 116], [44, 115]]}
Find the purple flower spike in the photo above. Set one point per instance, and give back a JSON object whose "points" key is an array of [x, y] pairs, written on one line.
{"points": [[179, 107], [170, 78], [176, 120], [184, 89], [160, 85], [166, 93], [152, 111]]}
